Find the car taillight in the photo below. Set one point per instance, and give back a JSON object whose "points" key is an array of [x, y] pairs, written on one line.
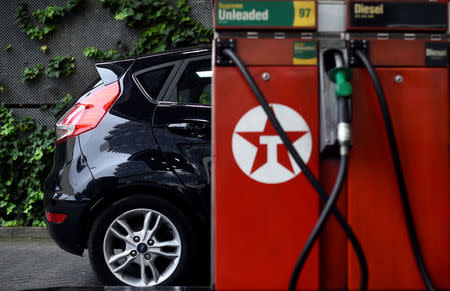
{"points": [[87, 113], [55, 217]]}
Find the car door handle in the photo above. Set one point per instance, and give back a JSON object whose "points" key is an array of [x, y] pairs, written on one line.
{"points": [[198, 124], [198, 121], [191, 127], [190, 124], [181, 125]]}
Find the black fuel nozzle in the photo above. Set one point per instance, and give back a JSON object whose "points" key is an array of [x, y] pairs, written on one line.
{"points": [[341, 76]]}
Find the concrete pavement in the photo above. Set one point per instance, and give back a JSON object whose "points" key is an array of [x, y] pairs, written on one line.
{"points": [[40, 263], [23, 232]]}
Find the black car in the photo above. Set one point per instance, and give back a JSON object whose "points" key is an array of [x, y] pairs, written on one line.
{"points": [[131, 177]]}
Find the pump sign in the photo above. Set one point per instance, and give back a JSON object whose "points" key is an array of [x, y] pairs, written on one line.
{"points": [[259, 151], [266, 13], [398, 15]]}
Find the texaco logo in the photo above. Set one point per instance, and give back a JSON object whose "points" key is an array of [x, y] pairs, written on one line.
{"points": [[259, 151]]}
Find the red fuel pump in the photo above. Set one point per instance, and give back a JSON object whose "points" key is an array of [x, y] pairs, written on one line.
{"points": [[274, 153], [413, 72], [254, 226]]}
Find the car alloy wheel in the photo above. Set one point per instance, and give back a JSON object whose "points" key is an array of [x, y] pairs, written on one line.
{"points": [[133, 254], [142, 241]]}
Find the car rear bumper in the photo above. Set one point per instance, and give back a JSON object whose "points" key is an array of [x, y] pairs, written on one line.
{"points": [[68, 234], [70, 189]]}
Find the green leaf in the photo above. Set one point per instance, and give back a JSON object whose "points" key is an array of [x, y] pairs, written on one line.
{"points": [[11, 223], [9, 182], [44, 49], [38, 153], [48, 29], [138, 16], [61, 105], [94, 53], [124, 14], [59, 65], [10, 208], [32, 73], [2, 89]]}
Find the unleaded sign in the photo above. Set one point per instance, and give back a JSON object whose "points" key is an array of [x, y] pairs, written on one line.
{"points": [[267, 14]]}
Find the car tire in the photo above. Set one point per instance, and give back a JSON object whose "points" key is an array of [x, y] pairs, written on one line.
{"points": [[123, 253]]}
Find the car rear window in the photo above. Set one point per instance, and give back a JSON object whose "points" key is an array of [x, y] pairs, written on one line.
{"points": [[152, 81], [194, 86]]}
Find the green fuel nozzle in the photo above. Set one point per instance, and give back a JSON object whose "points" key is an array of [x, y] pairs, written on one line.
{"points": [[341, 76], [338, 72]]}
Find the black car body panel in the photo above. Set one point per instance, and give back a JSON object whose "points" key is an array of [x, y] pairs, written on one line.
{"points": [[111, 71], [64, 194], [135, 149], [184, 135]]}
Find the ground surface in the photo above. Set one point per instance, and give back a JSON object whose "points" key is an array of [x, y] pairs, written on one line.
{"points": [[40, 263]]}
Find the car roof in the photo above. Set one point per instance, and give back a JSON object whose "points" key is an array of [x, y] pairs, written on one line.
{"points": [[146, 61], [110, 71], [184, 51]]}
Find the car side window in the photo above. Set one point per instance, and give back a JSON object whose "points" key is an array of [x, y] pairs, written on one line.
{"points": [[152, 81], [194, 85]]}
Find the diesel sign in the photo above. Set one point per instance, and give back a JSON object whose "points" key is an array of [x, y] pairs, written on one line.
{"points": [[361, 8], [390, 15], [436, 54]]}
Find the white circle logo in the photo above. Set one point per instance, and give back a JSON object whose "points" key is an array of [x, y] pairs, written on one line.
{"points": [[259, 151]]}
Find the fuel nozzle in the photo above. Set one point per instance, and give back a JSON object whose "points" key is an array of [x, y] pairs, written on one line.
{"points": [[341, 76]]}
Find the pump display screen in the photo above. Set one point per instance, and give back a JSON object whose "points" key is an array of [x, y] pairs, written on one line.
{"points": [[392, 15]]}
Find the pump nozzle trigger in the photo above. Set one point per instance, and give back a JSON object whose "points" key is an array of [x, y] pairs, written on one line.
{"points": [[339, 73]]}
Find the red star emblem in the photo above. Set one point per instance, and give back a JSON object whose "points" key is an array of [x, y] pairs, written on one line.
{"points": [[262, 153]]}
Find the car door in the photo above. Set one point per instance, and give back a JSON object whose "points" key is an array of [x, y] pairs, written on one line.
{"points": [[182, 127]]}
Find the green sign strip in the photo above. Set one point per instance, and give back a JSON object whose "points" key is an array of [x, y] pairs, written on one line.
{"points": [[266, 13], [305, 53]]}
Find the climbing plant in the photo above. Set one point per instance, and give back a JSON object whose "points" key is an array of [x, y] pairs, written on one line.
{"points": [[51, 13], [60, 65], [32, 73], [26, 150], [167, 27], [46, 18], [96, 54]]}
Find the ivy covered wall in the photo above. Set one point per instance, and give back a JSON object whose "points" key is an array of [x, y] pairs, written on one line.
{"points": [[48, 49], [91, 24]]}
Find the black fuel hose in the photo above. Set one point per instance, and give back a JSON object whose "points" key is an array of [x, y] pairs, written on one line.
{"points": [[330, 204], [306, 171], [328, 208], [398, 171]]}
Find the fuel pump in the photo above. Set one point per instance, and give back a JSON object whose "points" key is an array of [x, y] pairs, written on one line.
{"points": [[399, 54], [282, 132], [257, 234]]}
